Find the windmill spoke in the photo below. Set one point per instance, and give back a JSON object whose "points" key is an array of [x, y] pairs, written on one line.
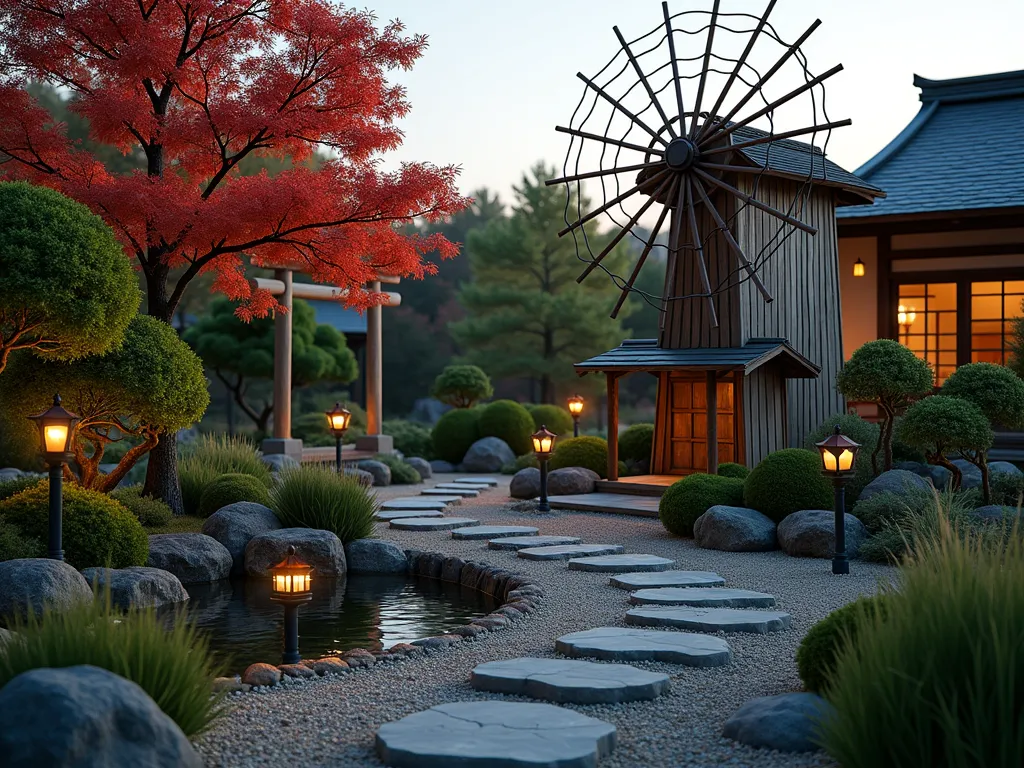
{"points": [[675, 63], [614, 102], [598, 211], [643, 79], [764, 79], [604, 172], [727, 233], [733, 168], [756, 203], [736, 72], [695, 235], [778, 137], [704, 70], [645, 253], [622, 232], [673, 247], [607, 140]]}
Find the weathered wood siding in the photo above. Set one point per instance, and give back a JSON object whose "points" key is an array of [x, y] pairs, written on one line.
{"points": [[764, 413]]}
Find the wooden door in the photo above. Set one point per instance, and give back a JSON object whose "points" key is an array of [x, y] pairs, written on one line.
{"points": [[686, 446]]}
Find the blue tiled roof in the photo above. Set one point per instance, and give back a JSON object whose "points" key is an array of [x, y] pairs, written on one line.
{"points": [[963, 151], [332, 313]]}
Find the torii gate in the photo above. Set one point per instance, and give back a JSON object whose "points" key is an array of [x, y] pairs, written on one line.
{"points": [[281, 285]]}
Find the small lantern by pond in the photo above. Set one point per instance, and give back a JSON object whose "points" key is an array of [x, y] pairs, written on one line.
{"points": [[543, 446], [576, 409], [838, 459], [291, 585], [338, 419], [56, 434]]}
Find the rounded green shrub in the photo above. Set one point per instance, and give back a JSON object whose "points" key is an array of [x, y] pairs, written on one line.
{"points": [[98, 530], [555, 418], [410, 438], [891, 506], [734, 470], [816, 656], [586, 451], [785, 482], [9, 488], [687, 499], [401, 473], [152, 513], [314, 497], [14, 545], [995, 389], [454, 433], [635, 443], [462, 386], [211, 456], [231, 488], [522, 462], [508, 420]]}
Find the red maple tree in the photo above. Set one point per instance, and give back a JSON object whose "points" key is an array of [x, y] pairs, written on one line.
{"points": [[198, 85]]}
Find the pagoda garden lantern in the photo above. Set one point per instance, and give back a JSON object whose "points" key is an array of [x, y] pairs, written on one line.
{"points": [[56, 434], [291, 586], [338, 419], [543, 446], [576, 409], [838, 459]]}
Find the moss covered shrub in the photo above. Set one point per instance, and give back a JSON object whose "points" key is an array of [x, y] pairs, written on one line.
{"points": [[401, 473], [587, 451], [508, 420], [152, 513], [314, 497], [687, 499], [816, 656], [454, 433], [732, 469], [14, 545], [98, 530], [555, 418], [409, 438], [230, 488], [785, 482], [635, 443]]}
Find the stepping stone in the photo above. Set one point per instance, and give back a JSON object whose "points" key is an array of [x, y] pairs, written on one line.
{"points": [[567, 551], [710, 619], [449, 493], [462, 487], [620, 563], [706, 597], [633, 581], [491, 481], [527, 542], [567, 681], [493, 531], [388, 515], [432, 524], [632, 644], [476, 734], [413, 503]]}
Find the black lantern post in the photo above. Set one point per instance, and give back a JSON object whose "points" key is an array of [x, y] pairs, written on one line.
{"points": [[56, 433], [838, 454], [291, 586], [337, 421], [543, 445], [576, 408]]}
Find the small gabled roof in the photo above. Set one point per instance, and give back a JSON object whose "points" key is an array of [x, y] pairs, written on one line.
{"points": [[964, 151], [646, 355]]}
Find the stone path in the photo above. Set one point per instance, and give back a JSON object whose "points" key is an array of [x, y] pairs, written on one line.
{"points": [[440, 494], [616, 503], [432, 524], [632, 644], [387, 515], [709, 620], [621, 563], [569, 681], [491, 481], [467, 493], [525, 542], [667, 579], [414, 503], [707, 597], [494, 531], [567, 551]]}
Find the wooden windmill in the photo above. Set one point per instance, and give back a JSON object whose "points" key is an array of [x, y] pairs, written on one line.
{"points": [[691, 168]]}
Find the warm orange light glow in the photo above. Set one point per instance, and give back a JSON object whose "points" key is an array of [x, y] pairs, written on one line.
{"points": [[290, 583], [906, 315], [291, 579], [576, 405], [338, 419], [844, 464], [56, 436], [858, 268], [543, 442]]}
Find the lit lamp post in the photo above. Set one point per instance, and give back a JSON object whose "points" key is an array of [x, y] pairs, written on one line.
{"points": [[838, 454], [543, 445], [291, 587], [906, 316], [575, 408], [337, 421], [56, 431]]}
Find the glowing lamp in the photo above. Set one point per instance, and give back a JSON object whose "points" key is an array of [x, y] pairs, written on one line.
{"points": [[292, 580], [543, 443], [338, 419], [858, 268], [56, 431], [838, 453], [906, 315], [575, 405]]}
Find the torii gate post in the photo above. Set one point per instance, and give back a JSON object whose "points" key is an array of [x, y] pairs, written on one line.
{"points": [[375, 440]]}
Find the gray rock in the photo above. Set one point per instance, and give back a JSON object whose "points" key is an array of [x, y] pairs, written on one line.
{"points": [[10, 473], [193, 557], [414, 503], [702, 597], [995, 513], [31, 583], [812, 533], [525, 484], [493, 531], [86, 717], [634, 644], [531, 542], [569, 681], [375, 556], [1004, 467], [709, 619], [261, 674], [938, 476], [322, 550], [361, 476], [971, 475], [381, 472], [488, 454], [474, 734], [451, 492], [569, 481], [895, 481], [138, 586], [235, 525], [386, 516], [620, 563], [479, 480], [734, 529], [442, 466], [633, 581], [787, 722], [568, 551], [279, 461], [431, 523], [422, 466]]}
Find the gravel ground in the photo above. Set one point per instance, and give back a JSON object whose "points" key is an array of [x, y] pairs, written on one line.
{"points": [[332, 721]]}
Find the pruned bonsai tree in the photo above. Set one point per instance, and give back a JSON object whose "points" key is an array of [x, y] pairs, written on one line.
{"points": [[889, 375], [462, 386]]}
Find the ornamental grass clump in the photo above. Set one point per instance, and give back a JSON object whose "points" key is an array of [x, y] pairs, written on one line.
{"points": [[312, 497], [211, 456]]}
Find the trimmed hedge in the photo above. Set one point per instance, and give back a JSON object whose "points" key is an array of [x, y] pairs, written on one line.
{"points": [[411, 439], [229, 489], [13, 487], [454, 433], [785, 482], [687, 499], [152, 513], [508, 420], [557, 419], [818, 651], [635, 443], [734, 470], [587, 451]]}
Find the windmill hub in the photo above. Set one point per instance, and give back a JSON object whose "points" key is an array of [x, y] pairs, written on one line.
{"points": [[680, 154]]}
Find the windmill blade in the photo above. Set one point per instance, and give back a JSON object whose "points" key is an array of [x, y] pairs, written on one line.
{"points": [[673, 245], [614, 102], [645, 253], [643, 79], [698, 246], [603, 172], [704, 70], [675, 62], [756, 203], [608, 140], [598, 211], [778, 137]]}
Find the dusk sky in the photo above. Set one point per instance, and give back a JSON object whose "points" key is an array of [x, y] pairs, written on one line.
{"points": [[498, 76]]}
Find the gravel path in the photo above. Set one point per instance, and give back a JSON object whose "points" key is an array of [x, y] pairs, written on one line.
{"points": [[332, 721]]}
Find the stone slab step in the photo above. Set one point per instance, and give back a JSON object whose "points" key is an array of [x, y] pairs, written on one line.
{"points": [[615, 503], [491, 481], [569, 681], [415, 502], [400, 514], [432, 524], [526, 542], [709, 619], [470, 486], [493, 531], [454, 493], [481, 734], [634, 644], [703, 597], [633, 581], [621, 563], [567, 551]]}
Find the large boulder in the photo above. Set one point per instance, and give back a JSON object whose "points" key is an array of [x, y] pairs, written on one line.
{"points": [[361, 476], [194, 558], [34, 582], [441, 467], [138, 586], [422, 467], [895, 481], [375, 556], [10, 473], [571, 480], [787, 722], [236, 524], [279, 462], [971, 475], [812, 533], [734, 529], [488, 454], [86, 717], [525, 484], [380, 471], [995, 513], [938, 476], [321, 549]]}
